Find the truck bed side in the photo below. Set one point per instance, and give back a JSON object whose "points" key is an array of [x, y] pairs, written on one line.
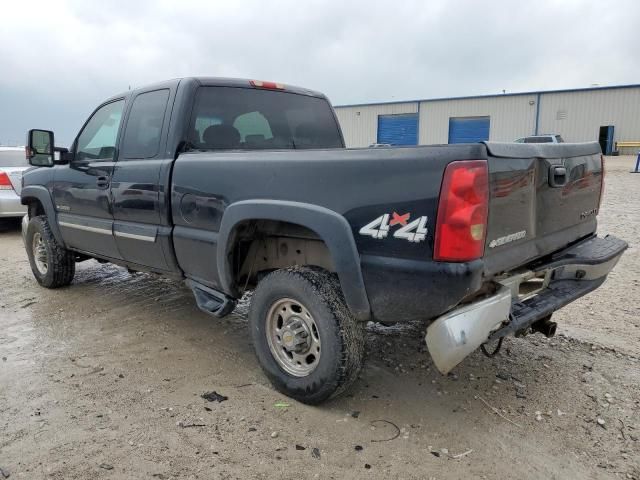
{"points": [[528, 218], [358, 184]]}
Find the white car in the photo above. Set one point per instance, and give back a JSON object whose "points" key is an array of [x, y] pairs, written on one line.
{"points": [[12, 163]]}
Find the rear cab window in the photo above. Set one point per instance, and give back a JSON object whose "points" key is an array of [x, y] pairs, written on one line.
{"points": [[235, 118]]}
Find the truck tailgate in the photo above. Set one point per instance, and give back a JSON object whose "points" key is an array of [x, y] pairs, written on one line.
{"points": [[542, 198]]}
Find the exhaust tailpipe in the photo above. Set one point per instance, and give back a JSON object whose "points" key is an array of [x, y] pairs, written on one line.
{"points": [[545, 327]]}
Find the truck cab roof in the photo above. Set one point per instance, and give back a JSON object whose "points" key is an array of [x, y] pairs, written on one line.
{"points": [[220, 82]]}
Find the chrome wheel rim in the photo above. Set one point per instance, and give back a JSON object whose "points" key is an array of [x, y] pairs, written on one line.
{"points": [[293, 337], [40, 253]]}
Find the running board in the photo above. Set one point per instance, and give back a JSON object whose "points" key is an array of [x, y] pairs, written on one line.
{"points": [[211, 301]]}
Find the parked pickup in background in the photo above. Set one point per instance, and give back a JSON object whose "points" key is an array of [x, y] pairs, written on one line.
{"points": [[237, 185], [541, 139]]}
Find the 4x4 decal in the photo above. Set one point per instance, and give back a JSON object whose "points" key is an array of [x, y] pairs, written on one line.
{"points": [[414, 231]]}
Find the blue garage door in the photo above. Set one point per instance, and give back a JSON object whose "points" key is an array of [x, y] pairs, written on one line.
{"points": [[468, 129], [398, 129]]}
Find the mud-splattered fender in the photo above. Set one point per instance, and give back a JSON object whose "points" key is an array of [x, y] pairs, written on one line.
{"points": [[41, 194], [330, 226]]}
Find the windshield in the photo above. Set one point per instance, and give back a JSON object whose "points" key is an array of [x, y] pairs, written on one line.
{"points": [[228, 118], [13, 158]]}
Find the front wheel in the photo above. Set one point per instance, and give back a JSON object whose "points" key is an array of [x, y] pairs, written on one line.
{"points": [[309, 345], [52, 265]]}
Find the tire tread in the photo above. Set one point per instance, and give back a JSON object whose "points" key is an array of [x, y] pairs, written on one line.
{"points": [[62, 265], [326, 287]]}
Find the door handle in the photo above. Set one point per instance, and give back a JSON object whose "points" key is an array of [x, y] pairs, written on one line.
{"points": [[558, 175], [102, 182]]}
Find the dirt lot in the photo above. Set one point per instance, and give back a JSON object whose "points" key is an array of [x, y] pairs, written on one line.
{"points": [[104, 380]]}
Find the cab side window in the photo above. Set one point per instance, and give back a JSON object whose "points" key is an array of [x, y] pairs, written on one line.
{"points": [[97, 141], [144, 125]]}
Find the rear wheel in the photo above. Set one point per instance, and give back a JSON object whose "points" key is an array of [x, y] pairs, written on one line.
{"points": [[52, 265], [309, 345]]}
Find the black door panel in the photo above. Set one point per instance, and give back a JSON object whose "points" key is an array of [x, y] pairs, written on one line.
{"points": [[141, 220], [144, 244], [89, 234], [135, 191], [81, 189]]}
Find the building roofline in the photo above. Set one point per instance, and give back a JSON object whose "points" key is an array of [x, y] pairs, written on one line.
{"points": [[494, 95]]}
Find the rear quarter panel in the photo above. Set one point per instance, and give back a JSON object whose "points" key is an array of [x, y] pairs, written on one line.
{"points": [[360, 184]]}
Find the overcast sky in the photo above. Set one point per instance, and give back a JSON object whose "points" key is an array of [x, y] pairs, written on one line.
{"points": [[59, 59]]}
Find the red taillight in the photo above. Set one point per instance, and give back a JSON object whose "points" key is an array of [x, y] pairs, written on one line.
{"points": [[267, 85], [601, 182], [5, 183], [462, 213]]}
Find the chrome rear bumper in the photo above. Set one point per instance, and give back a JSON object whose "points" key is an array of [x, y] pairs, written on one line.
{"points": [[455, 335], [569, 275]]}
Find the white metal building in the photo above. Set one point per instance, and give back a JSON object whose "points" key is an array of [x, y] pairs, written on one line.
{"points": [[605, 114]]}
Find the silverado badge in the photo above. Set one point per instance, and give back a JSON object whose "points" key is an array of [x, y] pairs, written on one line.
{"points": [[507, 239]]}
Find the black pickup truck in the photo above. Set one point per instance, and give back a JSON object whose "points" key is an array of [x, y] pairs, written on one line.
{"points": [[237, 185]]}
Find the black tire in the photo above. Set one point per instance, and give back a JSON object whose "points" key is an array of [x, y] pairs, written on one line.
{"points": [[60, 262], [342, 337]]}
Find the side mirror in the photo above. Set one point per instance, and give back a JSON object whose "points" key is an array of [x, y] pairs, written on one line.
{"points": [[40, 148]]}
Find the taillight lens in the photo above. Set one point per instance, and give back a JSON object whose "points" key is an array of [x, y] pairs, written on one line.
{"points": [[601, 182], [462, 212], [5, 183]]}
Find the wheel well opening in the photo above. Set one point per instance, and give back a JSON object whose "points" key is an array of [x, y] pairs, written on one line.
{"points": [[262, 246], [34, 207]]}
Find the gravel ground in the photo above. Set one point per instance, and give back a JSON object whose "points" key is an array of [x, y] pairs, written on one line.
{"points": [[105, 379]]}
